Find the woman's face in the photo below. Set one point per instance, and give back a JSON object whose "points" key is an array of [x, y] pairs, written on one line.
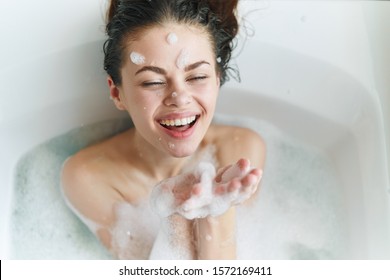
{"points": [[169, 87]]}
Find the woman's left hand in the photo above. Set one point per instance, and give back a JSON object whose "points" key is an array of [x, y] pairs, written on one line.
{"points": [[238, 179]]}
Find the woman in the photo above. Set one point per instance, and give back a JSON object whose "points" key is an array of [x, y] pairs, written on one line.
{"points": [[166, 60]]}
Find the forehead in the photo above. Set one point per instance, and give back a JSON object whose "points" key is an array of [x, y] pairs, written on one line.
{"points": [[153, 41]]}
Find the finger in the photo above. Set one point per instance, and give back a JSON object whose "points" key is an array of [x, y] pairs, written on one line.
{"points": [[256, 174], [243, 164], [237, 170], [219, 189], [181, 197], [234, 185], [249, 180], [196, 190]]}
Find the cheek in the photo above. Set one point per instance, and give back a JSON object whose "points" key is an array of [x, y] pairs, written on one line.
{"points": [[141, 101], [142, 117], [208, 93]]}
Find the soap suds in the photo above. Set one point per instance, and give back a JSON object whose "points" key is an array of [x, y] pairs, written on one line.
{"points": [[183, 59], [298, 214], [93, 226], [172, 38], [134, 231], [137, 58], [207, 202]]}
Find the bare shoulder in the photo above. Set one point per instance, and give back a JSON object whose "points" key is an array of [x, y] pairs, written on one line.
{"points": [[233, 143], [86, 186]]}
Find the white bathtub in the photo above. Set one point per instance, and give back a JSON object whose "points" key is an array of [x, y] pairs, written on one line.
{"points": [[311, 101]]}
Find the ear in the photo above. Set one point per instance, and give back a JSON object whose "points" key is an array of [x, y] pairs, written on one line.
{"points": [[115, 94]]}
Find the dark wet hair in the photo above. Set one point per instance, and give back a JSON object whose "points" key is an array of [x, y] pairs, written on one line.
{"points": [[126, 18]]}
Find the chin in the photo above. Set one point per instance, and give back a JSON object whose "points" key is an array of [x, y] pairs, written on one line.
{"points": [[181, 152]]}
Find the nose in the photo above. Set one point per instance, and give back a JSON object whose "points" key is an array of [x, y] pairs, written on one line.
{"points": [[178, 97]]}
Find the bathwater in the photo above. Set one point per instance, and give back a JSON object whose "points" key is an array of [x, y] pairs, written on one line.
{"points": [[297, 215], [42, 226]]}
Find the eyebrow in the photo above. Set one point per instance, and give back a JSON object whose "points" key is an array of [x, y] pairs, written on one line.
{"points": [[162, 71], [195, 65], [155, 69]]}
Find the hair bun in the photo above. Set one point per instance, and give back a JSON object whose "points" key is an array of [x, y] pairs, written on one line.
{"points": [[225, 10], [112, 9]]}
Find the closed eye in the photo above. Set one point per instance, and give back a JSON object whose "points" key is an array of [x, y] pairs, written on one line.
{"points": [[197, 78], [152, 84]]}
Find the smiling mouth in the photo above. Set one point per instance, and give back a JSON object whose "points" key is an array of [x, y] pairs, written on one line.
{"points": [[179, 124]]}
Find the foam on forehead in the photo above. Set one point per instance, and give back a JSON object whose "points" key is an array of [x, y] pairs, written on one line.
{"points": [[183, 59], [137, 58], [172, 38]]}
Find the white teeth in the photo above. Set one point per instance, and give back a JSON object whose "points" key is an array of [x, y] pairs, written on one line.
{"points": [[178, 122]]}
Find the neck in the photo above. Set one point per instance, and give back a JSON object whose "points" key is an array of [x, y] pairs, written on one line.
{"points": [[157, 163]]}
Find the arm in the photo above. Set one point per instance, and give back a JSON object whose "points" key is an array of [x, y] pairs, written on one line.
{"points": [[236, 146], [215, 236], [88, 197]]}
